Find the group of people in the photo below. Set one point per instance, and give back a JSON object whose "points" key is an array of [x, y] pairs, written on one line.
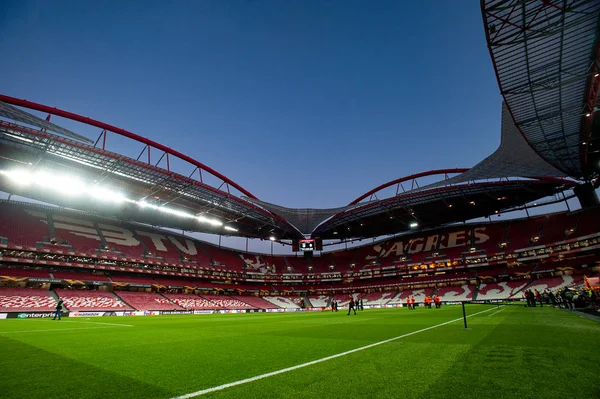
{"points": [[355, 305], [410, 302], [563, 298]]}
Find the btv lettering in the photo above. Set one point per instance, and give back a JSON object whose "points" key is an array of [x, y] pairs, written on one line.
{"points": [[115, 234]]}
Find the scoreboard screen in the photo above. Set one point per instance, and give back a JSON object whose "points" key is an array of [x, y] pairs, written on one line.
{"points": [[307, 245]]}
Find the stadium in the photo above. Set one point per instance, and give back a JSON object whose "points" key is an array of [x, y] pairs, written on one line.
{"points": [[152, 310]]}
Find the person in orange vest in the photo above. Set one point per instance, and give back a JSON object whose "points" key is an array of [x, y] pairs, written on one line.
{"points": [[408, 302], [437, 301], [428, 301], [412, 302]]}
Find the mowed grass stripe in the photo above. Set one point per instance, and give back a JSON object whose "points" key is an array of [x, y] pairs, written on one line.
{"points": [[311, 363], [498, 358], [183, 353], [169, 356]]}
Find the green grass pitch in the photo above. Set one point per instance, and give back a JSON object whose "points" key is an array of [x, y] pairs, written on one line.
{"points": [[512, 353]]}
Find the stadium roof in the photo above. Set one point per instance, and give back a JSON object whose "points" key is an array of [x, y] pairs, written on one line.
{"points": [[143, 179], [154, 193], [546, 56]]}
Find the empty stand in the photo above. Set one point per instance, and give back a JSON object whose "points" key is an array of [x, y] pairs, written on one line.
{"points": [[320, 264], [297, 264], [158, 245], [90, 300], [378, 298], [456, 293], [26, 300], [277, 263], [224, 258], [22, 228], [319, 301], [587, 222], [257, 302], [552, 283], [81, 234], [419, 295], [556, 226], [147, 301], [191, 301], [282, 302], [504, 290], [121, 239], [521, 232], [226, 302], [343, 260]]}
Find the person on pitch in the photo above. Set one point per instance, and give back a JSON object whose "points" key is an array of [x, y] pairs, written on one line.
{"points": [[412, 302], [351, 306], [59, 306], [408, 303]]}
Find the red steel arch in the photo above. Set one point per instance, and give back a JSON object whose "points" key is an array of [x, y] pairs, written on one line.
{"points": [[125, 133], [406, 178]]}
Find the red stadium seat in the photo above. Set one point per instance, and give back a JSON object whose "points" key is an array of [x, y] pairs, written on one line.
{"points": [[147, 301], [26, 300]]}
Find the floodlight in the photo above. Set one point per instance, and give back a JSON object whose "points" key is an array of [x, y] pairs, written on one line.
{"points": [[413, 225], [175, 212], [104, 194], [144, 204], [272, 238], [63, 184], [229, 228], [20, 177], [19, 137], [213, 222]]}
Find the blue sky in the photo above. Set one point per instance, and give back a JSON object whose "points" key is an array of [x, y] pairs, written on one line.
{"points": [[304, 103]]}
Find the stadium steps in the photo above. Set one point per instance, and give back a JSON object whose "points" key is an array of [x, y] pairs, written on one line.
{"points": [[170, 301], [200, 249], [514, 295], [51, 228], [475, 292], [307, 302], [137, 237], [56, 297], [122, 300], [103, 243]]}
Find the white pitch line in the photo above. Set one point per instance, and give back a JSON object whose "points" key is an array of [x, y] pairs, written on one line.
{"points": [[324, 359], [497, 311], [53, 329], [98, 322]]}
